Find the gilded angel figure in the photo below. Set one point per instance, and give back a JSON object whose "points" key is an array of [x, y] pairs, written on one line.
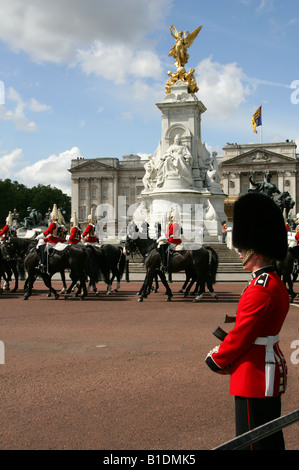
{"points": [[182, 42]]}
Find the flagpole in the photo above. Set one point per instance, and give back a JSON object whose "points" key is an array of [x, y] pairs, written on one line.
{"points": [[261, 126]]}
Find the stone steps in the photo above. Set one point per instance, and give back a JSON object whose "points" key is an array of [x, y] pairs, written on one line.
{"points": [[229, 260]]}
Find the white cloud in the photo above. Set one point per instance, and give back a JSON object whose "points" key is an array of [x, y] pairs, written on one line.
{"points": [[52, 31], [10, 161], [221, 87], [118, 62], [18, 115], [50, 171]]}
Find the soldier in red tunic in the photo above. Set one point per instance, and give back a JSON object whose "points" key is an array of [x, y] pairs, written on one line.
{"points": [[89, 234], [48, 239], [8, 229], [169, 240], [75, 235], [250, 352]]}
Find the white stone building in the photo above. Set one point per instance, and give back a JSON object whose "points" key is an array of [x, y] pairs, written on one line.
{"points": [[98, 181], [241, 161]]}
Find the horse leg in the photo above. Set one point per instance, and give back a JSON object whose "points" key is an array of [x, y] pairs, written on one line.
{"points": [[201, 292], [185, 284], [63, 282], [288, 281], [29, 286], [165, 284], [189, 287], [47, 281], [211, 289], [144, 290]]}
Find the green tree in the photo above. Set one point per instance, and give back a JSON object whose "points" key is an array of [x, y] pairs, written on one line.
{"points": [[17, 196]]}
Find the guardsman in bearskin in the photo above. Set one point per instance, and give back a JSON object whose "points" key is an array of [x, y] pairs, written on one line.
{"points": [[250, 352], [48, 239], [8, 229], [169, 240], [89, 234], [75, 235]]}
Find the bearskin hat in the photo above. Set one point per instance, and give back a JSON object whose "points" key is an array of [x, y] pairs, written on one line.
{"points": [[259, 225]]}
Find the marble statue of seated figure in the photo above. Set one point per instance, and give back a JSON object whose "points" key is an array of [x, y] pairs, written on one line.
{"points": [[177, 161]]}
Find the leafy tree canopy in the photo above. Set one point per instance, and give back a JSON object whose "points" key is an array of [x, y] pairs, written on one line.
{"points": [[17, 196]]}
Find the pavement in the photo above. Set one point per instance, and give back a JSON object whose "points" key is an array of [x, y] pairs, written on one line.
{"points": [[113, 374]]}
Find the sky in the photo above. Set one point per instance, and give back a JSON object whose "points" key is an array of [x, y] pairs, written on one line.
{"points": [[81, 78]]}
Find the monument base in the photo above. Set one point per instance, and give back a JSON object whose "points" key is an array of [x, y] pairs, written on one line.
{"points": [[197, 212]]}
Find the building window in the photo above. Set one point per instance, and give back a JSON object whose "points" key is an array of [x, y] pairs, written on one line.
{"points": [[83, 193], [82, 213], [125, 192], [94, 193], [105, 193]]}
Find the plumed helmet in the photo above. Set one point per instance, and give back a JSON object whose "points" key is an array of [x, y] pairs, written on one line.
{"points": [[91, 216], [54, 213], [259, 225], [74, 219], [61, 220], [9, 218]]}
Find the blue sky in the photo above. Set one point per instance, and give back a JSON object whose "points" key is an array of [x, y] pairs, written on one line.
{"points": [[82, 78]]}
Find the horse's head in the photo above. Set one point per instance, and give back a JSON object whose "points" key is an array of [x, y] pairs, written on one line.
{"points": [[7, 249], [130, 245]]}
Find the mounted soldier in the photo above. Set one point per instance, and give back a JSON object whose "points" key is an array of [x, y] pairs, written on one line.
{"points": [[48, 239], [8, 229], [89, 235], [169, 241], [75, 235]]}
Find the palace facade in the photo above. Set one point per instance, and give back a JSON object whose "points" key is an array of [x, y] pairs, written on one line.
{"points": [[100, 181]]}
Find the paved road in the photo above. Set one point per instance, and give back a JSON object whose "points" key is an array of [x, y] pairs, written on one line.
{"points": [[113, 373]]}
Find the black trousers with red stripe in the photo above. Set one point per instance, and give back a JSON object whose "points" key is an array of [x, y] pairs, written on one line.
{"points": [[254, 412]]}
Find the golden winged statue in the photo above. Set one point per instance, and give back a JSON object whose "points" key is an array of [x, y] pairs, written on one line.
{"points": [[182, 42]]}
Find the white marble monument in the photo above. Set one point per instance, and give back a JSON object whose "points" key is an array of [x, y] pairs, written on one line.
{"points": [[182, 174]]}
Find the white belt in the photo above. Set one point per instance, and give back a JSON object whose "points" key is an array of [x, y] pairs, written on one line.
{"points": [[270, 363]]}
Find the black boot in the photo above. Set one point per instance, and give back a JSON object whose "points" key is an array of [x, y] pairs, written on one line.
{"points": [[41, 267], [163, 253]]}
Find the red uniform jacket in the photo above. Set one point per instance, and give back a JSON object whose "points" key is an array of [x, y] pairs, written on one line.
{"points": [[51, 233], [174, 233], [90, 234], [4, 232], [261, 312], [75, 236]]}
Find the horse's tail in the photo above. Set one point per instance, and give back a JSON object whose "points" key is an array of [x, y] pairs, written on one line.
{"points": [[122, 261], [213, 263], [21, 269]]}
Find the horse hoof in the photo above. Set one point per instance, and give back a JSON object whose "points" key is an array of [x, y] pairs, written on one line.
{"points": [[56, 296], [168, 299], [140, 300]]}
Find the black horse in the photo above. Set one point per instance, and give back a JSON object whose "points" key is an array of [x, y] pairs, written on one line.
{"points": [[102, 261], [73, 258], [196, 263], [15, 250], [287, 269], [10, 265], [115, 262]]}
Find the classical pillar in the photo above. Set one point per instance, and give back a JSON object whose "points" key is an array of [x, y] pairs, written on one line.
{"points": [[88, 204], [75, 196], [99, 201]]}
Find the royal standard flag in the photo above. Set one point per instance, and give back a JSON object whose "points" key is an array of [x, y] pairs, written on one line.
{"points": [[257, 119]]}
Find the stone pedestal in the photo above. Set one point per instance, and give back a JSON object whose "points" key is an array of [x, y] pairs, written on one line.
{"points": [[190, 186]]}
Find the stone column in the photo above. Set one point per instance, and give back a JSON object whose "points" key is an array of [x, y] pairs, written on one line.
{"points": [[88, 204], [75, 195]]}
